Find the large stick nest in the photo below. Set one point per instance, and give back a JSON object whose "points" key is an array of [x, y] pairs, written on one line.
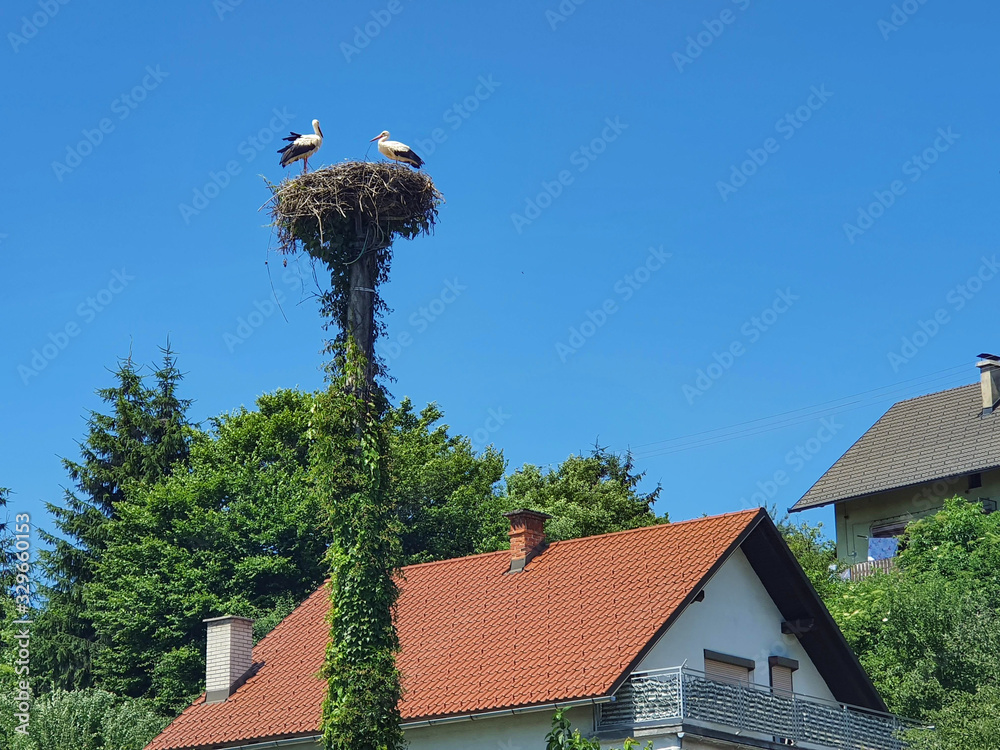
{"points": [[352, 205], [346, 216]]}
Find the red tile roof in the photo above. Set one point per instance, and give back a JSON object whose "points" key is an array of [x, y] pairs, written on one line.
{"points": [[475, 639]]}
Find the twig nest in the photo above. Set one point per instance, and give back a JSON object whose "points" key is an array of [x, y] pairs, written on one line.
{"points": [[352, 206]]}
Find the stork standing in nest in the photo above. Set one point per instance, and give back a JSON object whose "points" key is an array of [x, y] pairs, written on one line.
{"points": [[301, 147], [397, 151]]}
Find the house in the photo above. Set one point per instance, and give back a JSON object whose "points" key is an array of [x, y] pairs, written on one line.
{"points": [[698, 634], [920, 453]]}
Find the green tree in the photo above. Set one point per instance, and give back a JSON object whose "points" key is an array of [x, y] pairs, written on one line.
{"points": [[237, 533], [144, 434], [585, 495], [928, 632], [970, 721], [816, 554], [446, 494], [6, 545], [562, 736], [8, 608]]}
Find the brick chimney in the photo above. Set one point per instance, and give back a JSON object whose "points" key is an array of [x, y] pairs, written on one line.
{"points": [[227, 656], [527, 536], [989, 382]]}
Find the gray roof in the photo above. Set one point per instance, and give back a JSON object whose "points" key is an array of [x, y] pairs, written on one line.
{"points": [[931, 437]]}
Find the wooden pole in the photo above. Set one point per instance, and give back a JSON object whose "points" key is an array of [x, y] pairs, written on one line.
{"points": [[362, 277]]}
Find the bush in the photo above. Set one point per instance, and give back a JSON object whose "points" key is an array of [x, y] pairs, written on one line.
{"points": [[81, 720]]}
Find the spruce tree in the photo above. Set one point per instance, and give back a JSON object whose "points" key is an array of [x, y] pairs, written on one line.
{"points": [[6, 546], [8, 607], [137, 442]]}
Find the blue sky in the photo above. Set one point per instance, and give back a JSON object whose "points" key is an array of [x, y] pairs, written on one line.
{"points": [[789, 203]]}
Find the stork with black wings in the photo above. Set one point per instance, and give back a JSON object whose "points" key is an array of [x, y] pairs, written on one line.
{"points": [[301, 147]]}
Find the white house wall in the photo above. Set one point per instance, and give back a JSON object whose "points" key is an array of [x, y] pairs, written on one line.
{"points": [[521, 732], [737, 617], [525, 731]]}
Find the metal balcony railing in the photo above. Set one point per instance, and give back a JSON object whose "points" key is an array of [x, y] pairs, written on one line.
{"points": [[683, 696]]}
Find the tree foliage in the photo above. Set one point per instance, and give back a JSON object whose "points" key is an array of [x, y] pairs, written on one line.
{"points": [[446, 495], [563, 736], [135, 445], [8, 608], [237, 533], [586, 495], [928, 632], [82, 720], [816, 554]]}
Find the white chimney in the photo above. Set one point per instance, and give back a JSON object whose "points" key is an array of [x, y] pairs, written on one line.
{"points": [[228, 656], [989, 383]]}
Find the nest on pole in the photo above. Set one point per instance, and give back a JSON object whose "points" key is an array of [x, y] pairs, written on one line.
{"points": [[347, 216]]}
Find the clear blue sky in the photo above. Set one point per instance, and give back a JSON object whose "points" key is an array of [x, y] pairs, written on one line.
{"points": [[836, 110]]}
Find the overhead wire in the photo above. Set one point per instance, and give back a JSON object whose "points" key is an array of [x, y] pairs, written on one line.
{"points": [[910, 388]]}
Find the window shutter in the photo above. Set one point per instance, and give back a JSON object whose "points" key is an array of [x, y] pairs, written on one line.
{"points": [[724, 672], [781, 679]]}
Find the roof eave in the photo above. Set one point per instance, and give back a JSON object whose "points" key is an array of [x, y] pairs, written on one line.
{"points": [[432, 721], [798, 507], [795, 597]]}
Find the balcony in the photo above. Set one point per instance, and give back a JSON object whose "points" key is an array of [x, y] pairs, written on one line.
{"points": [[864, 569], [753, 713]]}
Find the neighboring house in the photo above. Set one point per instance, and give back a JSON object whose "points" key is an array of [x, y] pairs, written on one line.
{"points": [[921, 452], [699, 634]]}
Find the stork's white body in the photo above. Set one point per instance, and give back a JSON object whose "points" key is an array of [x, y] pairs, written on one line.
{"points": [[302, 147], [397, 151]]}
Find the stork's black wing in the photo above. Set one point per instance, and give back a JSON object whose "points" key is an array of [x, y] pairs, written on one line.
{"points": [[411, 157], [294, 150]]}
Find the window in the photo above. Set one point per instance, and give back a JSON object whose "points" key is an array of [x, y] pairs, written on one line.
{"points": [[728, 668], [888, 529], [781, 673], [884, 540]]}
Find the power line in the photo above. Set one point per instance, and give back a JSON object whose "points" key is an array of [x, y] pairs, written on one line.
{"points": [[805, 414], [893, 386], [908, 388]]}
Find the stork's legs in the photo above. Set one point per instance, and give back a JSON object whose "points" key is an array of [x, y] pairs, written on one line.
{"points": [[305, 165]]}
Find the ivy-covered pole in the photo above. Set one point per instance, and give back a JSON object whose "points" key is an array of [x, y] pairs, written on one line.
{"points": [[350, 472], [346, 217]]}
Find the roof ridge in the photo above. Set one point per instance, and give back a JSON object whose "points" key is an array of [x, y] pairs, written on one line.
{"points": [[934, 393], [667, 525], [592, 536], [917, 440]]}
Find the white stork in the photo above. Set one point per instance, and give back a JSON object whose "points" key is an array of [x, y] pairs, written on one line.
{"points": [[302, 147], [397, 151]]}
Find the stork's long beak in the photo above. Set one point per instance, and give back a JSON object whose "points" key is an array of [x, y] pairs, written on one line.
{"points": [[375, 138]]}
